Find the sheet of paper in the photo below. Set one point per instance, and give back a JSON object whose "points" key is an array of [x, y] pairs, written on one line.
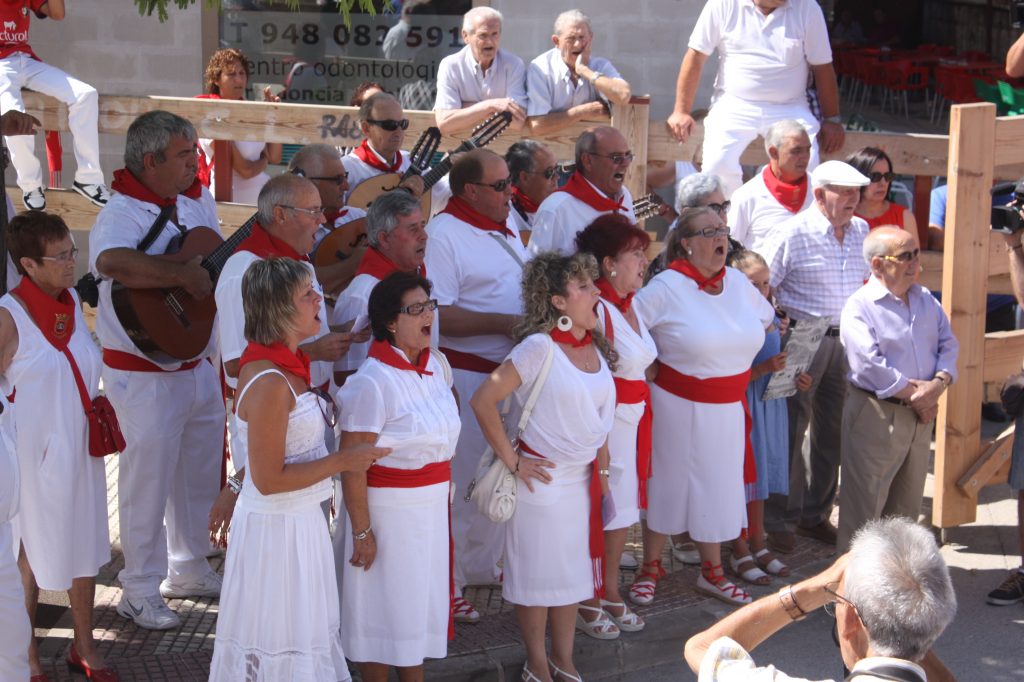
{"points": [[803, 343]]}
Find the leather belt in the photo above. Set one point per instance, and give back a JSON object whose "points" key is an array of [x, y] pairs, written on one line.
{"points": [[895, 401]]}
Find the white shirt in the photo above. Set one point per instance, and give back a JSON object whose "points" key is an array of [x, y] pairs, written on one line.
{"points": [[124, 223], [762, 58], [360, 171], [550, 88], [755, 212], [470, 270], [562, 216], [636, 353], [415, 415], [522, 224], [231, 316], [351, 213], [461, 82]]}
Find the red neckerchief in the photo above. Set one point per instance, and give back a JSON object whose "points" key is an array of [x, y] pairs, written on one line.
{"points": [[684, 267], [525, 202], [386, 353], [126, 183], [467, 214], [379, 266], [55, 317], [567, 338], [333, 215], [265, 245], [790, 196], [369, 157], [609, 294], [585, 192], [297, 363]]}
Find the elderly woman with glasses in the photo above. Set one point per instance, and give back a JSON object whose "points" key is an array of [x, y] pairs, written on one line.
{"points": [[875, 205], [62, 520], [708, 322], [695, 191], [396, 588], [279, 610]]}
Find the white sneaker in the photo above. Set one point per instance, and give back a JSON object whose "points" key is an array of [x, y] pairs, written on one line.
{"points": [[97, 194], [208, 586], [149, 612], [34, 200]]}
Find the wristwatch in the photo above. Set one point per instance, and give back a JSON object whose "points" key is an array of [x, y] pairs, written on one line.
{"points": [[593, 79], [235, 484], [833, 119]]}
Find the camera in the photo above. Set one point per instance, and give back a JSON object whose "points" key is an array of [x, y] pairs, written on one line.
{"points": [[1007, 218]]}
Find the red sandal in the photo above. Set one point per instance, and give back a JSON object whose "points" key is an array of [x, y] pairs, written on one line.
{"points": [[712, 581], [641, 592]]}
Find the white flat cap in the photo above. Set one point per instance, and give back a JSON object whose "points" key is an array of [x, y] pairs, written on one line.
{"points": [[839, 174]]}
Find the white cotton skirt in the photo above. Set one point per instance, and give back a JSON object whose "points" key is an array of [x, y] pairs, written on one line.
{"points": [[622, 477], [697, 469], [547, 541], [397, 611], [279, 617]]}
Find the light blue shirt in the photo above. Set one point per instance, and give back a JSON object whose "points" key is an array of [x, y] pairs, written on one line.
{"points": [[461, 82], [549, 85]]}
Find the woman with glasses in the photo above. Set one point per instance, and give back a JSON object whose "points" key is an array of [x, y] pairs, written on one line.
{"points": [[396, 588], [876, 206], [708, 323], [62, 520], [279, 603], [695, 191]]}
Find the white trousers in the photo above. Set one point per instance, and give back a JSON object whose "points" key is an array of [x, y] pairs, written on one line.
{"points": [[732, 124], [19, 71], [14, 626], [173, 424]]}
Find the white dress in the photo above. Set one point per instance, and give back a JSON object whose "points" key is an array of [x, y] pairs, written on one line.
{"points": [[62, 520], [243, 190], [279, 604], [397, 611], [547, 551], [697, 484], [16, 630], [636, 353]]}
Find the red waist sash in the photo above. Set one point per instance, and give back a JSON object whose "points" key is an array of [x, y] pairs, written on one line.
{"points": [[469, 362], [631, 392], [127, 362], [379, 476], [596, 540], [717, 390]]}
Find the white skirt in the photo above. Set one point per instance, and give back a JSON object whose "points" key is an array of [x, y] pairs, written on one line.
{"points": [[547, 541], [697, 469], [622, 479], [397, 611], [279, 617], [15, 628]]}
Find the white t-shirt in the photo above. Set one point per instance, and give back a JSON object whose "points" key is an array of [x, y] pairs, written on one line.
{"points": [[243, 190], [124, 223], [469, 269], [755, 212], [762, 58], [562, 216], [461, 82], [360, 171], [549, 87]]}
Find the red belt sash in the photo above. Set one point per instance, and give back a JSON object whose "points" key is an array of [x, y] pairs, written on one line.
{"points": [[717, 390], [631, 392], [378, 476], [596, 540], [127, 362], [469, 362]]}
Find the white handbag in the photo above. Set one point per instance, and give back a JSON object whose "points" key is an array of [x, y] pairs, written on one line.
{"points": [[494, 487]]}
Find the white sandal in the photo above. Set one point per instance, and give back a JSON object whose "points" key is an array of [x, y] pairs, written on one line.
{"points": [[754, 575], [601, 627], [528, 675], [719, 587], [775, 567], [629, 621], [558, 672]]}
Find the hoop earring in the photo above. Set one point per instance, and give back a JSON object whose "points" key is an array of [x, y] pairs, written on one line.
{"points": [[564, 323]]}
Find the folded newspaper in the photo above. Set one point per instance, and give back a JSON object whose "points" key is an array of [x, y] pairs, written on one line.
{"points": [[803, 343]]}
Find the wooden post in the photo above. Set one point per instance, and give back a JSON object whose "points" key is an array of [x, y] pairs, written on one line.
{"points": [[633, 120], [972, 129], [922, 206], [222, 169]]}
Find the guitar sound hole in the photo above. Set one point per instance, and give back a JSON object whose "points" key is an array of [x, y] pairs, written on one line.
{"points": [[359, 241]]}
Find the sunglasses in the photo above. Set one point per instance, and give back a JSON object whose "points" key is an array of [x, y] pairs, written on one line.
{"points": [[548, 173], [389, 124], [338, 179], [328, 408], [618, 159], [499, 186], [419, 308], [878, 177], [904, 257], [722, 207]]}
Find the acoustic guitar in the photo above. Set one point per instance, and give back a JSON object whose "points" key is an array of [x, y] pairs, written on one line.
{"points": [[166, 324], [419, 161]]}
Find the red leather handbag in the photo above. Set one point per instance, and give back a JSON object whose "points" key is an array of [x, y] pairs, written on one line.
{"points": [[105, 437]]}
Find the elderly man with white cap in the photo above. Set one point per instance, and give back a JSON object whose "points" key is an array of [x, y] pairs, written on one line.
{"points": [[816, 265]]}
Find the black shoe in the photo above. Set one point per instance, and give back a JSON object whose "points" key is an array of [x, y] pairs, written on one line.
{"points": [[1010, 592]]}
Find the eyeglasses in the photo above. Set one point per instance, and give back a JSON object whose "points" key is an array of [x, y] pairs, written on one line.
{"points": [[419, 308], [62, 257], [830, 607], [338, 179], [904, 257], [617, 158], [720, 208], [389, 124], [710, 232], [499, 186], [878, 177], [548, 173], [328, 408], [311, 212]]}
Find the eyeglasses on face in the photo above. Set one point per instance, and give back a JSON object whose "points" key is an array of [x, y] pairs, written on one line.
{"points": [[311, 212], [498, 186], [548, 173], [419, 308], [62, 257], [338, 179], [830, 607], [389, 124], [904, 257], [617, 158], [878, 177], [720, 208], [328, 408], [710, 232]]}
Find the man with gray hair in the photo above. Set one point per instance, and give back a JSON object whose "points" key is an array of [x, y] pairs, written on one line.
{"points": [[892, 598], [480, 79], [566, 84], [779, 191], [170, 411], [534, 172], [902, 356]]}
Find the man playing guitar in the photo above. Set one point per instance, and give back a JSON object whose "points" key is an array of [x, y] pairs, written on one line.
{"points": [[383, 124]]}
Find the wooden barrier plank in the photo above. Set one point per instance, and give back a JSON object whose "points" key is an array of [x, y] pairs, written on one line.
{"points": [[632, 121], [1003, 354], [995, 457]]}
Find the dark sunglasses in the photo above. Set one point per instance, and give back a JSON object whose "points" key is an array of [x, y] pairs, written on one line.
{"points": [[904, 257], [338, 179], [328, 408], [499, 186], [878, 177], [548, 173], [389, 124]]}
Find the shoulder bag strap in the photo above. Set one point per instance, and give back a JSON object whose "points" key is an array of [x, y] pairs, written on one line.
{"points": [[82, 392], [538, 384], [505, 245], [158, 226]]}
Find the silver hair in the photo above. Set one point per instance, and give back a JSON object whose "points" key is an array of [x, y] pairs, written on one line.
{"points": [[310, 158], [571, 18], [268, 293], [366, 108], [382, 216], [519, 157], [900, 586], [694, 189], [878, 243], [151, 133], [470, 17], [279, 191], [779, 131]]}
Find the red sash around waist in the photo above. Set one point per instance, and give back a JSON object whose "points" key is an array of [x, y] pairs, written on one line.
{"points": [[631, 392], [469, 362], [730, 389], [127, 362], [379, 476], [596, 540]]}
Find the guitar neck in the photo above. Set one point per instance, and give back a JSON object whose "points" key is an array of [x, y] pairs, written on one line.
{"points": [[214, 262], [431, 177]]}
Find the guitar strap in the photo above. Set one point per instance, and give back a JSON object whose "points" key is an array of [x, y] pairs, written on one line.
{"points": [[157, 227]]}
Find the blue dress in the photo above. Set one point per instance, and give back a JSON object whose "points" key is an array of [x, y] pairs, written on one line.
{"points": [[770, 433]]}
